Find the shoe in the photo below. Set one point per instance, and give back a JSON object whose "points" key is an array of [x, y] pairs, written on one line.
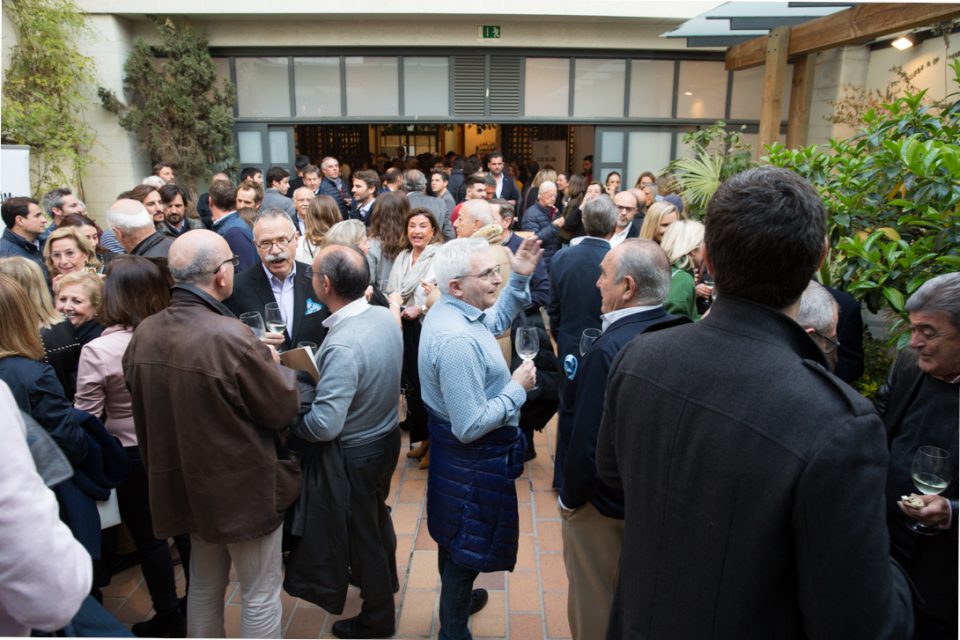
{"points": [[425, 462], [420, 451], [167, 624], [354, 628], [478, 600]]}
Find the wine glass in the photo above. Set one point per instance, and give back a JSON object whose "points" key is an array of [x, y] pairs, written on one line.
{"points": [[527, 342], [930, 473], [254, 320], [587, 338], [274, 318]]}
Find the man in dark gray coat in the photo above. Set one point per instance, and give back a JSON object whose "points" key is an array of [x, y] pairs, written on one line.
{"points": [[135, 230], [753, 478]]}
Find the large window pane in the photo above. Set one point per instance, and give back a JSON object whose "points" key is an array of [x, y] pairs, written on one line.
{"points": [[280, 147], [646, 151], [263, 87], [426, 86], [546, 90], [651, 88], [598, 88], [373, 86], [703, 89], [747, 95], [317, 86], [611, 145]]}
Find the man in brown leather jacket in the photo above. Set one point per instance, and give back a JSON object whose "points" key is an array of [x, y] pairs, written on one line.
{"points": [[208, 400]]}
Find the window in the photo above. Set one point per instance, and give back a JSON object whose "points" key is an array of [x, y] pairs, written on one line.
{"points": [[373, 86], [599, 88], [651, 88], [426, 86], [546, 88], [317, 87], [263, 88], [703, 89]]}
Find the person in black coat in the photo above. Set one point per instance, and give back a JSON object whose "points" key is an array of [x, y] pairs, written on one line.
{"points": [[919, 405], [634, 281], [752, 477], [276, 242]]}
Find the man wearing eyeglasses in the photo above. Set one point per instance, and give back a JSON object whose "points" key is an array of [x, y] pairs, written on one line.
{"points": [[818, 315], [208, 399], [280, 279], [627, 208], [473, 402]]}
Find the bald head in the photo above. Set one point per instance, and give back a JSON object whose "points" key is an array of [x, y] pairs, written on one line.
{"points": [[129, 216], [197, 257], [340, 276], [474, 214]]}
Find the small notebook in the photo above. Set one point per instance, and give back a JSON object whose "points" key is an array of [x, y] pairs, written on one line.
{"points": [[301, 359]]}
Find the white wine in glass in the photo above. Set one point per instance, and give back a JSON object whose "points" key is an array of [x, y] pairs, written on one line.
{"points": [[930, 473], [274, 318], [254, 320], [527, 342]]}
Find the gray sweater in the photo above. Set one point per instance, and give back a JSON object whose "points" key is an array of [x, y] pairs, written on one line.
{"points": [[359, 388]]}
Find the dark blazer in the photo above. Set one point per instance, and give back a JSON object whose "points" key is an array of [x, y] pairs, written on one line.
{"points": [[329, 188], [575, 299], [918, 409], [850, 334], [252, 292], [753, 483], [582, 410], [13, 246], [509, 189], [156, 245], [539, 220], [539, 281]]}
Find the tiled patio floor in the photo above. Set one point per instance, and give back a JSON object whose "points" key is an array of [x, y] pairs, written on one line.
{"points": [[527, 604]]}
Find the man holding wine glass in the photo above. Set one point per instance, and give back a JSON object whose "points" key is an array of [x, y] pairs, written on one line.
{"points": [[278, 288], [920, 405], [473, 402]]}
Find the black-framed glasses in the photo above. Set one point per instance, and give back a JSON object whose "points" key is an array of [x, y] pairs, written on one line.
{"points": [[279, 242], [832, 343], [623, 208], [235, 261], [483, 275]]}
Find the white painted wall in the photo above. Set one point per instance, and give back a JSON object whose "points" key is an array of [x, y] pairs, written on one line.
{"points": [[937, 79]]}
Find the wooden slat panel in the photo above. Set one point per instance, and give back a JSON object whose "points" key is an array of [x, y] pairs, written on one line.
{"points": [[856, 25]]}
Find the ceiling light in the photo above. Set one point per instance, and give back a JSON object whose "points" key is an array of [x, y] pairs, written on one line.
{"points": [[904, 42], [688, 93]]}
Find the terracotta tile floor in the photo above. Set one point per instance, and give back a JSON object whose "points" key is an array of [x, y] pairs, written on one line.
{"points": [[527, 604]]}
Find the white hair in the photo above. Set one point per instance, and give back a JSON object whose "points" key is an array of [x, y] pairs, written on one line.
{"points": [[546, 185], [817, 309], [129, 222], [154, 181], [453, 259], [479, 210]]}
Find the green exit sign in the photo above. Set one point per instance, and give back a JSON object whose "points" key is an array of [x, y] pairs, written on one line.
{"points": [[490, 32]]}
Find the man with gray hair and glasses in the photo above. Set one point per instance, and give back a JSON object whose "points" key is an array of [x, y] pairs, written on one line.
{"points": [[473, 403], [920, 406], [818, 315], [208, 400], [634, 281]]}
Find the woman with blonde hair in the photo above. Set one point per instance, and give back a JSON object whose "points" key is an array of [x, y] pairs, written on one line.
{"points": [[33, 383], [348, 233], [683, 244], [78, 299], [322, 214], [659, 216], [68, 250], [61, 348], [387, 235]]}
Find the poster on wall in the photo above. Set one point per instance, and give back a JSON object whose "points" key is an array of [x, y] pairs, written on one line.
{"points": [[550, 152], [14, 171]]}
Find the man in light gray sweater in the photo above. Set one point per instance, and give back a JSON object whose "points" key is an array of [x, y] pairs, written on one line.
{"points": [[357, 401]]}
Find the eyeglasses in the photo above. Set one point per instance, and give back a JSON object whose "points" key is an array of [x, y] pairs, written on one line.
{"points": [[279, 242], [69, 254], [483, 275], [832, 343], [235, 261]]}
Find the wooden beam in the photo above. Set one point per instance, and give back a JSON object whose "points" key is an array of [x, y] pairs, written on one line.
{"points": [[857, 25], [774, 76], [801, 92]]}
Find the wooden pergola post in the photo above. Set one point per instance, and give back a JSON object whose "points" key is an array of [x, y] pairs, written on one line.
{"points": [[801, 92], [774, 76]]}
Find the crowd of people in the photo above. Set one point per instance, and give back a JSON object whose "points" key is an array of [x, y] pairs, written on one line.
{"points": [[235, 370]]}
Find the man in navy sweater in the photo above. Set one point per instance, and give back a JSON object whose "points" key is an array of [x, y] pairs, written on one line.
{"points": [[634, 282]]}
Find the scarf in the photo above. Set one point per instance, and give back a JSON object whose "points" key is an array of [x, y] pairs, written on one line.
{"points": [[405, 276]]}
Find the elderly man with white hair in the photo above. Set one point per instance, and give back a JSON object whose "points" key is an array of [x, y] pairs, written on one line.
{"points": [[135, 230], [818, 316], [473, 403], [543, 220]]}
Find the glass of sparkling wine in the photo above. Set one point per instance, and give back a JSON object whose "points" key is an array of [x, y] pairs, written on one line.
{"points": [[254, 320], [527, 342], [274, 318], [930, 473], [587, 338]]}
